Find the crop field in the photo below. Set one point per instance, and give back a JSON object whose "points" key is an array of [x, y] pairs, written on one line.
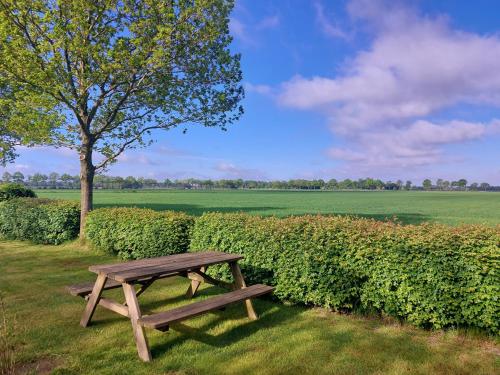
{"points": [[409, 207]]}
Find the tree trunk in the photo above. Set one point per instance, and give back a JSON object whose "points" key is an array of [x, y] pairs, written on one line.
{"points": [[87, 170]]}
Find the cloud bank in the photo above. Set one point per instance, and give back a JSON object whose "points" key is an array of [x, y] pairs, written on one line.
{"points": [[382, 102]]}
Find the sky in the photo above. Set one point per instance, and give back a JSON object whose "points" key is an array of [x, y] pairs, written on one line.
{"points": [[342, 89]]}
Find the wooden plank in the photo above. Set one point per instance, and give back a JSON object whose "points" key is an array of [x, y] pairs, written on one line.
{"points": [[239, 283], [112, 267], [93, 300], [202, 276], [162, 320], [83, 289], [124, 266], [186, 265], [114, 306], [135, 314], [195, 284]]}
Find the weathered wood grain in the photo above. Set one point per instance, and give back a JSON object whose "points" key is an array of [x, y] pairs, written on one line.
{"points": [[239, 283], [135, 314]]}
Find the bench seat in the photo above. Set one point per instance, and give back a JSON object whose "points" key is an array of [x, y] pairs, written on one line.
{"points": [[83, 289], [161, 321]]}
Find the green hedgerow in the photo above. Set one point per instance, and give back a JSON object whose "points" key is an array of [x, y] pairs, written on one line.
{"points": [[12, 190], [134, 233], [43, 221], [432, 275]]}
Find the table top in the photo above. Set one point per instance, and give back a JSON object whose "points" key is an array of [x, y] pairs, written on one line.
{"points": [[143, 268]]}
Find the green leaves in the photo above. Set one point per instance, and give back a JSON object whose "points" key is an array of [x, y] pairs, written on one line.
{"points": [[431, 275], [39, 220], [113, 71], [13, 190], [134, 233]]}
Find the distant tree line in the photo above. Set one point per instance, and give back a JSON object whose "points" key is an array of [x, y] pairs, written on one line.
{"points": [[66, 181]]}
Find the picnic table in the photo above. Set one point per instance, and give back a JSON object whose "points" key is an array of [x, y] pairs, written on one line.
{"points": [[145, 272]]}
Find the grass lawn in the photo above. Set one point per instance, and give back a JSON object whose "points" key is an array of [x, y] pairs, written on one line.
{"points": [[410, 207], [43, 321]]}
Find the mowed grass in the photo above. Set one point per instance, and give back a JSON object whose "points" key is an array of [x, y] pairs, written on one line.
{"points": [[43, 320], [410, 207]]}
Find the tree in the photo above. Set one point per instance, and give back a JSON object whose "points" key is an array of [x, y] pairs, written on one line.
{"points": [[6, 177], [18, 177], [53, 177], [102, 75], [462, 183], [66, 179], [25, 119], [484, 186], [439, 183], [332, 184], [38, 179], [427, 184], [408, 185]]}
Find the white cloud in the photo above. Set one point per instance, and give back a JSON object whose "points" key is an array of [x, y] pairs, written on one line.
{"points": [[136, 158], [416, 66], [328, 27], [230, 170], [239, 30], [259, 89], [62, 152], [247, 30], [415, 145], [270, 22]]}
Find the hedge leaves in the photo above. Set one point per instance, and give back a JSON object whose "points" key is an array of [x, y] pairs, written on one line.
{"points": [[135, 233], [432, 275], [38, 220]]}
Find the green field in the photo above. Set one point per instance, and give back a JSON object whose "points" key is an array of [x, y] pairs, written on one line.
{"points": [[411, 207]]}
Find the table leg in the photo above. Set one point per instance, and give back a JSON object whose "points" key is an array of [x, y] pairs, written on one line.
{"points": [[135, 314], [239, 283], [195, 284], [93, 300]]}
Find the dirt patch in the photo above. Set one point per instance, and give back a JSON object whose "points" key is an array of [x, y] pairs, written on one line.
{"points": [[41, 366], [490, 347]]}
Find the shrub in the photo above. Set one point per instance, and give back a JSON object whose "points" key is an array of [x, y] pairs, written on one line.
{"points": [[39, 220], [134, 233], [9, 191], [432, 275]]}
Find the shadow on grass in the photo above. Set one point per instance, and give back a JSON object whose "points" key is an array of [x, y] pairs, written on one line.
{"points": [[197, 210], [192, 209], [270, 315], [401, 217]]}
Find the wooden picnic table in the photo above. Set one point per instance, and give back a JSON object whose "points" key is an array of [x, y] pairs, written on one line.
{"points": [[145, 272]]}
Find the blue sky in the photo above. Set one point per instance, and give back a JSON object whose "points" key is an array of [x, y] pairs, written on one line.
{"points": [[337, 89]]}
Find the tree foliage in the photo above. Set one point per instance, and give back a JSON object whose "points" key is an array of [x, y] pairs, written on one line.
{"points": [[104, 74]]}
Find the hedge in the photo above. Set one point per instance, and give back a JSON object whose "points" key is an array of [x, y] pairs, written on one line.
{"points": [[43, 221], [134, 233], [12, 190], [431, 275]]}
